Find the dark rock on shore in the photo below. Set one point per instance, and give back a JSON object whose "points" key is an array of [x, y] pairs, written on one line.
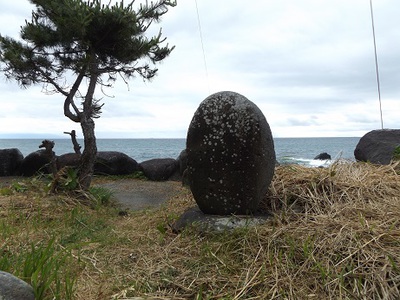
{"points": [[159, 169], [13, 163], [68, 159], [114, 163], [378, 146], [34, 163], [182, 159], [107, 163], [323, 156], [10, 161]]}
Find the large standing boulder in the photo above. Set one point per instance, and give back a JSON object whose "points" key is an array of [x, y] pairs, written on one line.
{"points": [[34, 163], [159, 169], [230, 155], [13, 288], [114, 163], [378, 146], [10, 161]]}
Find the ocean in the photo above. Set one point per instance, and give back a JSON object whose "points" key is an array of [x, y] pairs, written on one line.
{"points": [[288, 150]]}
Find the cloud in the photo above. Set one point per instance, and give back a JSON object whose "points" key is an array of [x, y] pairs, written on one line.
{"points": [[305, 121], [309, 65]]}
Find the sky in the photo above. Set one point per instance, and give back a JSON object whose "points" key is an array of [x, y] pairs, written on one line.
{"points": [[308, 65]]}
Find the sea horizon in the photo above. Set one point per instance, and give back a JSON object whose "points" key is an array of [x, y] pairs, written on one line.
{"points": [[288, 150], [5, 137]]}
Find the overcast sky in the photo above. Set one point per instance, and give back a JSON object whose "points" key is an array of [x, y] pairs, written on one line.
{"points": [[308, 65]]}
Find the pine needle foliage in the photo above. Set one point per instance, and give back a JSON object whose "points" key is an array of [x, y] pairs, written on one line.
{"points": [[85, 40], [62, 35]]}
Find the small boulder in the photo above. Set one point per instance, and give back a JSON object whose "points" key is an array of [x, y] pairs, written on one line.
{"points": [[34, 163], [114, 163], [230, 155], [10, 161], [159, 169], [182, 159], [323, 156], [378, 146], [68, 159], [13, 288]]}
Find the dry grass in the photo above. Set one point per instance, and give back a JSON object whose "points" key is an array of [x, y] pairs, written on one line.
{"points": [[334, 234]]}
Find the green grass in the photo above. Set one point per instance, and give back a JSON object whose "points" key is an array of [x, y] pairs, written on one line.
{"points": [[396, 153], [42, 235], [333, 234]]}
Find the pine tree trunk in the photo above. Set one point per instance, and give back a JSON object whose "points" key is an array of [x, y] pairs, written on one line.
{"points": [[86, 119], [89, 154]]}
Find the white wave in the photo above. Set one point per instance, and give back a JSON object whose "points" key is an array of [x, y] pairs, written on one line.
{"points": [[314, 162]]}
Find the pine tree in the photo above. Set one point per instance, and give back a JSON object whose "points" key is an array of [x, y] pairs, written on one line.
{"points": [[85, 40]]}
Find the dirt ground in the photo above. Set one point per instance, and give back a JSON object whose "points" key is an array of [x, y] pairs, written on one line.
{"points": [[137, 194], [133, 194], [7, 180]]}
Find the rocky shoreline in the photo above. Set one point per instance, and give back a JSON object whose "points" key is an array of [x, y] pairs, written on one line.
{"points": [[13, 163], [377, 146]]}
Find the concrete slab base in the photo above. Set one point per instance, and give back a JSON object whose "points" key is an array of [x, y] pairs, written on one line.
{"points": [[194, 217]]}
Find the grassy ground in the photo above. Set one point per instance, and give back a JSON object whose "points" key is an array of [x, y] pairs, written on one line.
{"points": [[334, 233]]}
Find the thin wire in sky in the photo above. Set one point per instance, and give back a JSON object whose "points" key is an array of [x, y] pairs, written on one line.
{"points": [[376, 62], [202, 45]]}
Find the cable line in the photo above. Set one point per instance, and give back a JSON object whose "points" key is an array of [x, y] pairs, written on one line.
{"points": [[202, 45], [376, 63]]}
